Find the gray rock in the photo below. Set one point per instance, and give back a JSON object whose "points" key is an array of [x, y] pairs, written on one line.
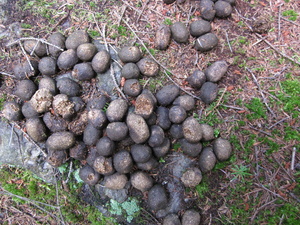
{"points": [[216, 71], [171, 219], [38, 47], [223, 9], [130, 71], [179, 32], [91, 135], [191, 217], [123, 162], [63, 106], [199, 27], [163, 149], [144, 105], [115, 181], [207, 132], [176, 131], [68, 87], [77, 38], [36, 129], [209, 92], [132, 87], [148, 67], [163, 119], [206, 42], [103, 165], [48, 83], [207, 160], [83, 71], [138, 128], [130, 54], [197, 79], [157, 136], [86, 51], [101, 61], [222, 149], [41, 101], [167, 94], [207, 9], [105, 146], [190, 149], [157, 197], [163, 37], [192, 130], [28, 111], [117, 131], [141, 181], [97, 118], [57, 39], [17, 150], [67, 59], [177, 114], [141, 153], [185, 101], [60, 141], [116, 110], [192, 177], [47, 66], [12, 111], [55, 123]]}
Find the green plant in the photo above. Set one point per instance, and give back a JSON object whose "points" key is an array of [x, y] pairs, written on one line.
{"points": [[240, 172], [25, 26], [168, 21], [292, 14], [2, 100]]}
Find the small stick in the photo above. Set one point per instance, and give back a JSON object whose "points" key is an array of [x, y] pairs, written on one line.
{"points": [[57, 203], [293, 158], [69, 173], [218, 103], [115, 82], [260, 40], [272, 192], [228, 42], [283, 169], [6, 74], [261, 207], [294, 196], [143, 9], [290, 21], [261, 93], [280, 121], [261, 131], [35, 39], [279, 25], [26, 56], [233, 107]]}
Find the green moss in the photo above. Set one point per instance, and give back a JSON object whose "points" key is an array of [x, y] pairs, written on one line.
{"points": [[257, 108]]}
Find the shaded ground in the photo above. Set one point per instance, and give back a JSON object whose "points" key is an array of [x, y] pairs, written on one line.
{"points": [[253, 109]]}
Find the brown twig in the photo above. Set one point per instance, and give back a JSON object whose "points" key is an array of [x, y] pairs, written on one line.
{"points": [[260, 208], [279, 25], [143, 9], [26, 56], [35, 39], [261, 131], [218, 103], [228, 42], [297, 24], [260, 91], [233, 107], [280, 121], [268, 190], [289, 175]]}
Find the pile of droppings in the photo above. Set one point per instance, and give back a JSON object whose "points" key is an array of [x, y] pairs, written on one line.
{"points": [[117, 142]]}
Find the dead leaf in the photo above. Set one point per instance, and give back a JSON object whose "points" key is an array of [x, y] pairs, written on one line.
{"points": [[247, 206], [241, 111], [230, 88], [292, 186], [282, 194]]}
